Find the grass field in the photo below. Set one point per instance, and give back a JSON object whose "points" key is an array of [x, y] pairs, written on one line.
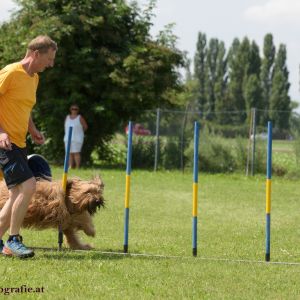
{"points": [[231, 242], [284, 155]]}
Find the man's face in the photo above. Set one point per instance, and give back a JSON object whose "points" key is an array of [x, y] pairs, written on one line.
{"points": [[44, 60]]}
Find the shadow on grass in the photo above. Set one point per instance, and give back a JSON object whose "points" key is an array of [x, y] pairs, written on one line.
{"points": [[95, 254]]}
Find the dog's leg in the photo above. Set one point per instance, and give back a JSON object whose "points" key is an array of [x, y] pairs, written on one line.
{"points": [[88, 225], [74, 241], [84, 222]]}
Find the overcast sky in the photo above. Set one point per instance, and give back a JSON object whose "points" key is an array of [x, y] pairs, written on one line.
{"points": [[226, 20]]}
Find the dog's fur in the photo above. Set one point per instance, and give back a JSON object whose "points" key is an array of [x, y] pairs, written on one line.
{"points": [[49, 208]]}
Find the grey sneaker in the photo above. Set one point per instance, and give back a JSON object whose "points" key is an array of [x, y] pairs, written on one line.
{"points": [[16, 248]]}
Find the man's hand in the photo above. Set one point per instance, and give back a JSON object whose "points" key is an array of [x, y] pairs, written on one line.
{"points": [[5, 141], [37, 137]]}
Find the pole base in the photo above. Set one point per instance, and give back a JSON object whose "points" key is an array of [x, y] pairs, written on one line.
{"points": [[268, 257], [194, 251], [125, 249], [60, 240]]}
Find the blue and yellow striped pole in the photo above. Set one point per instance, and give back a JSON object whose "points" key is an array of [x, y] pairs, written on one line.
{"points": [[127, 187], [195, 188], [64, 181], [268, 192]]}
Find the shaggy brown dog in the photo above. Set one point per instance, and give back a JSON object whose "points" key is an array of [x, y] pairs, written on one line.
{"points": [[49, 208]]}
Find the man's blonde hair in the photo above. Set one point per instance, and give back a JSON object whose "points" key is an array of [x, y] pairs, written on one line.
{"points": [[42, 43]]}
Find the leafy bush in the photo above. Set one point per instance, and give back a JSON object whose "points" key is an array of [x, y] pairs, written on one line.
{"points": [[143, 151], [220, 155], [215, 156], [297, 150], [228, 131], [171, 154], [242, 152]]}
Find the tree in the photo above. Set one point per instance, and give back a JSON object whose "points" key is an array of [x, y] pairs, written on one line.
{"points": [[244, 61], [107, 62], [211, 69], [252, 93], [199, 65], [254, 65], [252, 85], [238, 58], [267, 74], [220, 83], [280, 102]]}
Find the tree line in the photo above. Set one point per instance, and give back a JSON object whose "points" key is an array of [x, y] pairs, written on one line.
{"points": [[240, 79], [110, 65]]}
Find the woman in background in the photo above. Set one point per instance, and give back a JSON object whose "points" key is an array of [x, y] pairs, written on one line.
{"points": [[79, 125]]}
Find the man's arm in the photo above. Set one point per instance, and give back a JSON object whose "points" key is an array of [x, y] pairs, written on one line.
{"points": [[5, 79], [36, 135], [4, 140]]}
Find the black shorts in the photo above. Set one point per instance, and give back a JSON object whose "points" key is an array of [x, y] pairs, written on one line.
{"points": [[15, 166]]}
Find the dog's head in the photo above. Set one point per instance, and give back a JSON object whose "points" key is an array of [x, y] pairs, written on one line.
{"points": [[84, 195]]}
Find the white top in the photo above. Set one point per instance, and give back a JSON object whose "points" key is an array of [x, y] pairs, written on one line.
{"points": [[77, 132]]}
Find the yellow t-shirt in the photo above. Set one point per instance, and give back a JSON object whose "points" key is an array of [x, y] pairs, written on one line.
{"points": [[17, 97]]}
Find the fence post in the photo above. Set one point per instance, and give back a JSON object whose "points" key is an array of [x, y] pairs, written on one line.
{"points": [[249, 143], [253, 142], [157, 139], [182, 138]]}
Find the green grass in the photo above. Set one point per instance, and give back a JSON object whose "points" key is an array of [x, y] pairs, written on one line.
{"points": [[284, 157], [231, 225]]}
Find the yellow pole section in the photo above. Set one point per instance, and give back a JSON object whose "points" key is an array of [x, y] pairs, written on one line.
{"points": [[64, 181], [268, 196], [127, 191], [195, 199]]}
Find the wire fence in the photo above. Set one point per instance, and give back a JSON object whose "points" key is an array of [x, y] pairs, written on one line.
{"points": [[163, 138]]}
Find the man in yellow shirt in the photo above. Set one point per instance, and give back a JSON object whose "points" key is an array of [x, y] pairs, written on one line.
{"points": [[18, 85]]}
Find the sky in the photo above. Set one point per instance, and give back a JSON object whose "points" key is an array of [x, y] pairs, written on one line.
{"points": [[226, 20]]}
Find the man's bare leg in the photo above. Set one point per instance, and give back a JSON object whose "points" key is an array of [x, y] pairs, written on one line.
{"points": [[14, 245], [20, 205], [5, 213]]}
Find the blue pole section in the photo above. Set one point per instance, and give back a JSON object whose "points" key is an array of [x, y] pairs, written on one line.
{"points": [[269, 153], [127, 188], [195, 189], [67, 155], [196, 146], [268, 192], [64, 181]]}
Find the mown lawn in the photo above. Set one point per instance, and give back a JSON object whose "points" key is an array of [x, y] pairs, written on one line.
{"points": [[231, 242]]}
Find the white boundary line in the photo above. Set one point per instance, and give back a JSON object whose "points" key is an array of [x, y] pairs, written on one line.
{"points": [[198, 258], [229, 260]]}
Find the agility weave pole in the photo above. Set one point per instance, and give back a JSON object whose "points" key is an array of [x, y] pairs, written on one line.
{"points": [[127, 187], [268, 192], [195, 189], [64, 181]]}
